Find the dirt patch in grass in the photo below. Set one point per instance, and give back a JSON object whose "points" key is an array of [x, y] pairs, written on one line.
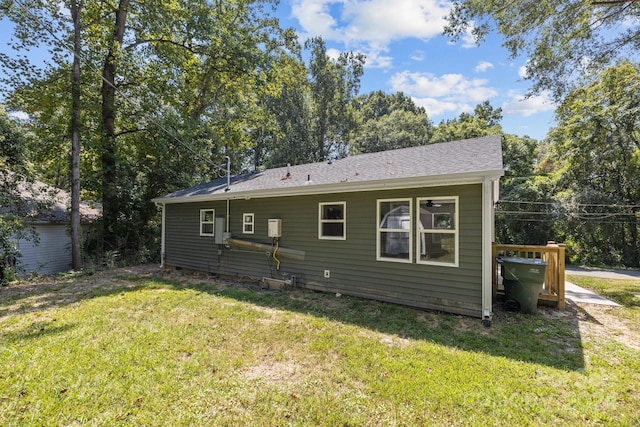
{"points": [[278, 372], [602, 323]]}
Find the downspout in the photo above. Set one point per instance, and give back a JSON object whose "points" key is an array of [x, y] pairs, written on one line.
{"points": [[162, 234], [487, 239], [227, 229]]}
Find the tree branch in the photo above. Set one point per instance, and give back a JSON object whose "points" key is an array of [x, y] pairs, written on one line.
{"points": [[128, 131], [160, 40]]}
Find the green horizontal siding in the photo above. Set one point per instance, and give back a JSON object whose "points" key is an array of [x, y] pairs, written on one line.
{"points": [[352, 262]]}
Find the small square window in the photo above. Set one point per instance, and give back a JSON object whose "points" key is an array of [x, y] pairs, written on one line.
{"points": [[248, 223], [332, 221], [207, 222]]}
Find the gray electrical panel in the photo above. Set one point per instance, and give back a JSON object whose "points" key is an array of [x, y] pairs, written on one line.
{"points": [[219, 231]]}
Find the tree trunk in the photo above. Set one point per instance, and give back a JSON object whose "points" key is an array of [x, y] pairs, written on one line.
{"points": [[110, 202], [76, 255]]}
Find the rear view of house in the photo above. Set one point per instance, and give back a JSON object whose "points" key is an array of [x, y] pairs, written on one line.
{"points": [[412, 226]]}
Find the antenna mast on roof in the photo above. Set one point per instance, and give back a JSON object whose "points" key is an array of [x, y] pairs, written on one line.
{"points": [[228, 173]]}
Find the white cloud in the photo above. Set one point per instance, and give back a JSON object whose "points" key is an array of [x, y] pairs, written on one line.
{"points": [[427, 84], [519, 104], [333, 53], [314, 17], [445, 93], [385, 20], [435, 107], [468, 40], [370, 25], [483, 66], [522, 72], [418, 55], [377, 59]]}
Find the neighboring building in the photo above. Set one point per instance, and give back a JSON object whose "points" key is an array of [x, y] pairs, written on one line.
{"points": [[412, 226], [48, 216]]}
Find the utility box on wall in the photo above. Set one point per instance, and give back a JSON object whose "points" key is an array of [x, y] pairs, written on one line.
{"points": [[274, 227], [219, 231]]}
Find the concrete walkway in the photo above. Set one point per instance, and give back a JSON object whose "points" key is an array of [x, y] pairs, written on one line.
{"points": [[604, 273], [577, 294]]}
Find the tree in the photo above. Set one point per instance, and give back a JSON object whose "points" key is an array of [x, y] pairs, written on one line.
{"points": [[13, 177], [566, 41], [165, 99], [76, 255], [377, 104], [525, 214], [484, 121], [333, 85], [284, 125], [110, 200], [597, 136], [387, 122]]}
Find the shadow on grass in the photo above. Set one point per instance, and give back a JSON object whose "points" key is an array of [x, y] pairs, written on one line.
{"points": [[34, 331], [551, 337]]}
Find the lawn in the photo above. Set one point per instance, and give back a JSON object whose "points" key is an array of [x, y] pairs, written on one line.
{"points": [[143, 347]]}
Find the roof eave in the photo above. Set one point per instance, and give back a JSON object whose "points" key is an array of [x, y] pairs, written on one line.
{"points": [[343, 187]]}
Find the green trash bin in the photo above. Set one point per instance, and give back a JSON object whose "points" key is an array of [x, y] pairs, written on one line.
{"points": [[523, 280]]}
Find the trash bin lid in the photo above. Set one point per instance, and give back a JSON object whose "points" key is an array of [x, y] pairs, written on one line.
{"points": [[518, 260]]}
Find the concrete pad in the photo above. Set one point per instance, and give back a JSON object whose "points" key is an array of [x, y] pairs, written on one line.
{"points": [[581, 295]]}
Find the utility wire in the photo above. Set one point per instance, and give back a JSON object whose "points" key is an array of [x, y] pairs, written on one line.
{"points": [[560, 203]]}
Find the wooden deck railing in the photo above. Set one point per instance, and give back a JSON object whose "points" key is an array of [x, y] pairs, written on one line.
{"points": [[553, 254]]}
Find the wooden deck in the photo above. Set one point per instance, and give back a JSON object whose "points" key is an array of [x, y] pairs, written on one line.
{"points": [[553, 254]]}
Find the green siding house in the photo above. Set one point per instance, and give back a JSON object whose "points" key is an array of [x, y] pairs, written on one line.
{"points": [[412, 226]]}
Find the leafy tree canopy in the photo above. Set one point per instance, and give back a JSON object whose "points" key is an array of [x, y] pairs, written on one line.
{"points": [[484, 121], [13, 177], [566, 41], [598, 139], [387, 122]]}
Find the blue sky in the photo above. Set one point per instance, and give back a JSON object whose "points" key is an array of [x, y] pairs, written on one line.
{"points": [[406, 52]]}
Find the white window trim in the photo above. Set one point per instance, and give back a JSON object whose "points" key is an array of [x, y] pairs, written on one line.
{"points": [[455, 232], [252, 223], [409, 231], [342, 221], [212, 222]]}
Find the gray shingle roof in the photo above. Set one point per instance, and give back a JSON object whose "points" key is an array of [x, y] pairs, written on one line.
{"points": [[478, 156], [44, 203]]}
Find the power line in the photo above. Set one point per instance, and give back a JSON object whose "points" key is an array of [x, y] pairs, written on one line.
{"points": [[572, 214], [557, 203]]}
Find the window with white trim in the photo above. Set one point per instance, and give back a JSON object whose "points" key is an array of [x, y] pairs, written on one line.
{"points": [[332, 223], [207, 222], [394, 242], [248, 223], [437, 237]]}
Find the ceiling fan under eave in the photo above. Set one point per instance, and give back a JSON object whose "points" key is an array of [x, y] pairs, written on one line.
{"points": [[430, 204]]}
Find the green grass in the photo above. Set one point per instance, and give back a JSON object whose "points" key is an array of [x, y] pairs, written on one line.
{"points": [[155, 350]]}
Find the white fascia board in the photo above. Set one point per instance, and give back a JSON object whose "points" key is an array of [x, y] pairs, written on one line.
{"points": [[312, 189]]}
